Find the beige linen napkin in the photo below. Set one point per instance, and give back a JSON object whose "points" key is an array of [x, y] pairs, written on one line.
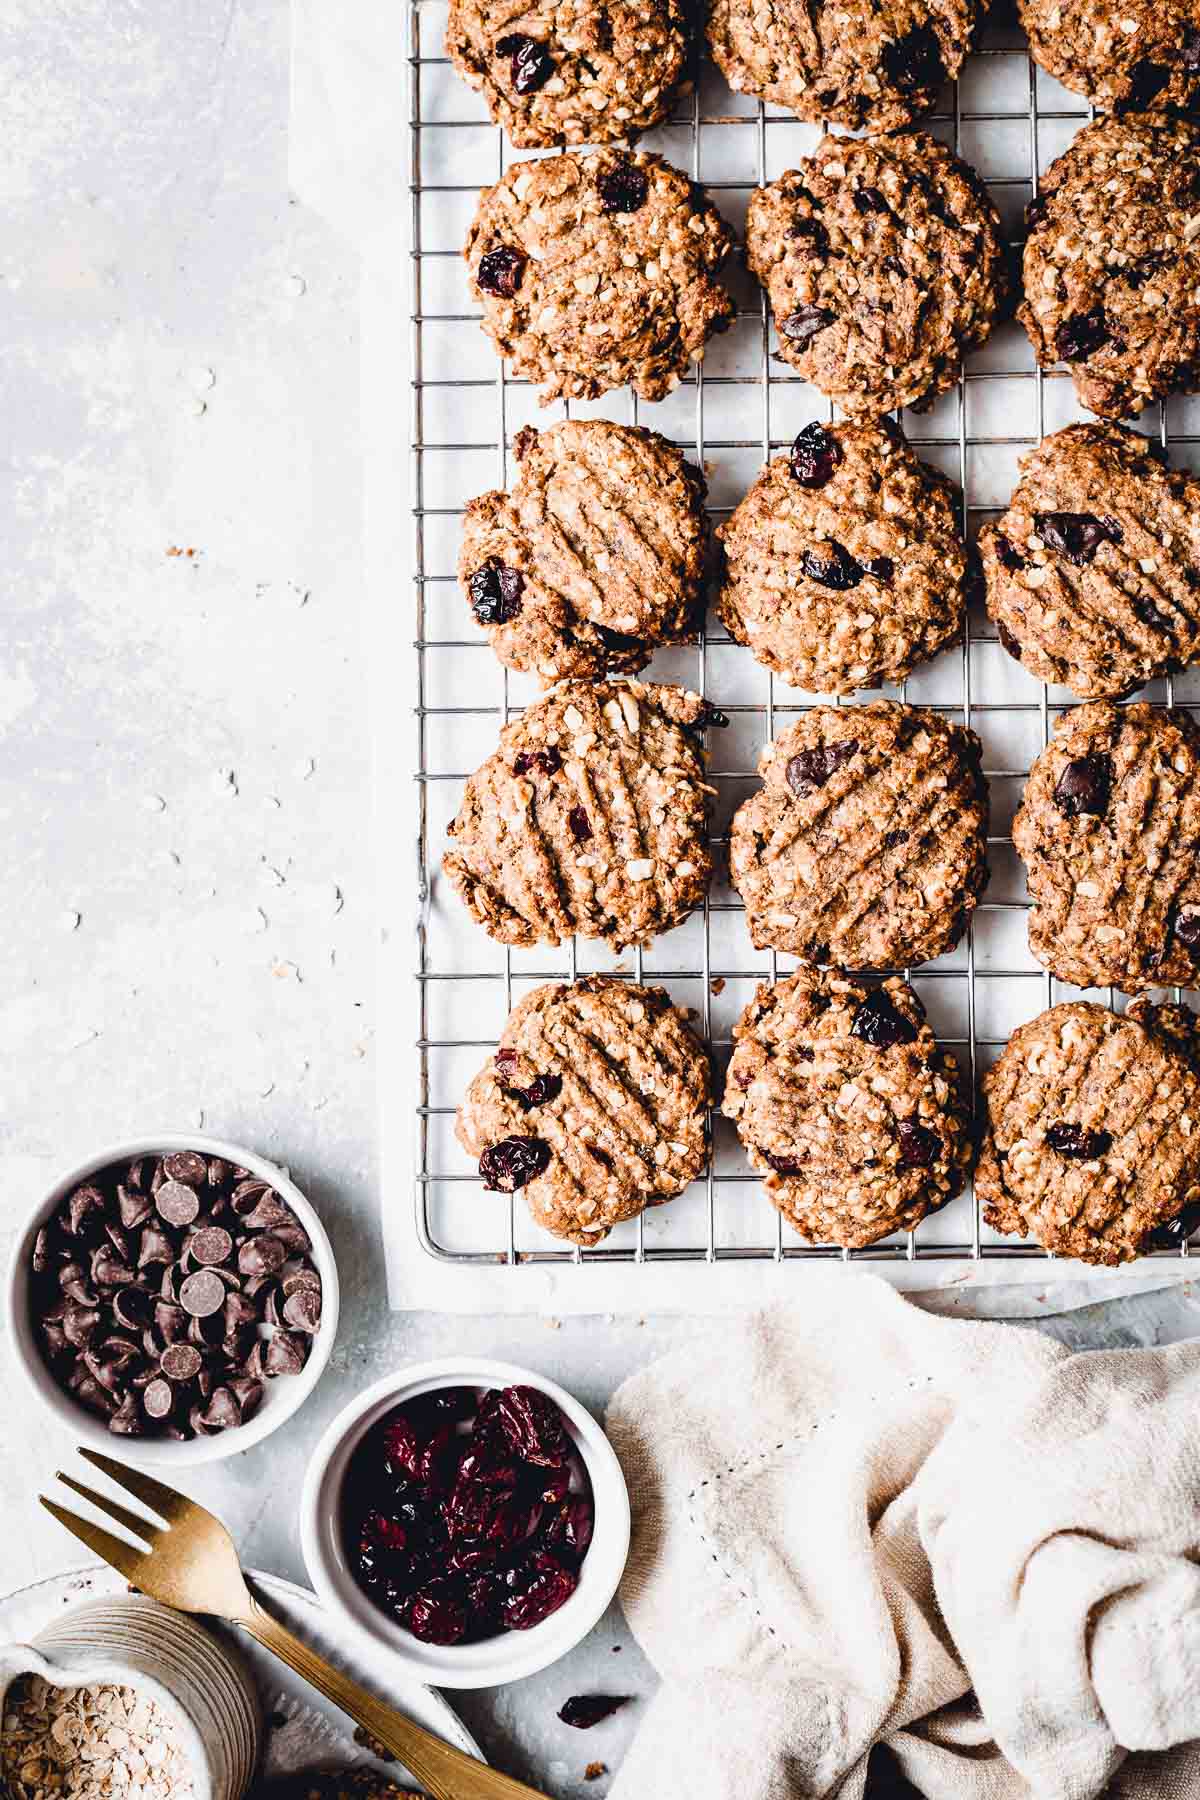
{"points": [[856, 1523]]}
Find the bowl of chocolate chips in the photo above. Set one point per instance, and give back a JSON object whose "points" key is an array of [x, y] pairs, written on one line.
{"points": [[174, 1299], [470, 1515]]}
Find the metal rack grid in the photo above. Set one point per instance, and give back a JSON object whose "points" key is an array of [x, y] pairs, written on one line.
{"points": [[710, 120]]}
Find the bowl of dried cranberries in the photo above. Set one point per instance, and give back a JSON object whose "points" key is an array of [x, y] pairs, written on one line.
{"points": [[469, 1514]]}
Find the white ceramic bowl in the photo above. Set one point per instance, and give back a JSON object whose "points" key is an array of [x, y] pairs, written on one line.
{"points": [[512, 1654], [283, 1395]]}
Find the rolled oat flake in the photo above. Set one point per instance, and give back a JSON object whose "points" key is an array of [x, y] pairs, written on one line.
{"points": [[89, 1743]]}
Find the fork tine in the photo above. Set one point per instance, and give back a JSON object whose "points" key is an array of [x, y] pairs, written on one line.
{"points": [[155, 1494], [135, 1522], [128, 1562]]}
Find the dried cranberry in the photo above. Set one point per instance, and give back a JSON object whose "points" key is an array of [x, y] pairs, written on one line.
{"points": [[496, 592], [619, 642], [541, 762], [381, 1533], [437, 1614], [540, 1092], [869, 200], [585, 1710], [539, 1586], [581, 825], [805, 323], [623, 188], [810, 769], [491, 1515], [915, 60], [1006, 555], [1187, 927], [816, 454], [1076, 1142], [420, 1446], [1080, 336], [812, 231], [1008, 641], [1146, 79], [1084, 787], [512, 1163], [531, 63], [892, 838], [919, 1148], [836, 568], [500, 271], [877, 1022], [1149, 614], [786, 1165], [1077, 536], [882, 568], [533, 1426], [1176, 1231], [486, 1593], [570, 1526]]}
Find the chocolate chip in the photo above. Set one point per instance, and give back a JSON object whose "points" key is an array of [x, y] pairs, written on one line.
{"points": [[212, 1244], [302, 1310], [1077, 1142], [1146, 80], [531, 64], [496, 592], [1077, 536], [1008, 641], [202, 1294], [915, 60], [919, 1147], [892, 838], [127, 1420], [1176, 1231], [816, 455], [262, 1255], [869, 200], [882, 568], [285, 1354], [222, 1411], [623, 189], [878, 1022], [187, 1166], [132, 1307], [248, 1393], [833, 566], [180, 1362], [1081, 336], [805, 323], [580, 824], [133, 1207], [500, 271], [811, 769], [811, 231], [158, 1399], [1084, 787], [620, 643], [170, 1321], [177, 1203]]}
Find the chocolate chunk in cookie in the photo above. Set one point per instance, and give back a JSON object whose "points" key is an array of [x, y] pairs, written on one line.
{"points": [[1119, 53], [1091, 1142], [606, 534], [1094, 570], [883, 263], [575, 72], [589, 818], [1109, 831], [854, 501], [872, 67], [846, 1104], [1112, 263], [610, 1082], [597, 271], [867, 844]]}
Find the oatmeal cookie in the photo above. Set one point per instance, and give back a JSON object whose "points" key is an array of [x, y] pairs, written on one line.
{"points": [[599, 270], [1116, 53], [846, 1104], [844, 564], [1112, 262], [597, 555], [1109, 831], [1091, 1143], [883, 263], [1093, 573], [570, 71], [867, 66], [867, 844], [589, 818], [594, 1104]]}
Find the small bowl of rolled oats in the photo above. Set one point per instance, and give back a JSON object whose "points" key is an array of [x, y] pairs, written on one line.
{"points": [[123, 1699]]}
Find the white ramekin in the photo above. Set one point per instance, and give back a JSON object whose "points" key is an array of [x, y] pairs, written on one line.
{"points": [[512, 1654], [283, 1394]]}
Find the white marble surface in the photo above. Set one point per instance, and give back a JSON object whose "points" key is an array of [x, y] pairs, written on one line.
{"points": [[187, 914]]}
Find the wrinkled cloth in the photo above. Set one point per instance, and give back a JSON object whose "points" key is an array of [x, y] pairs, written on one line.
{"points": [[857, 1524]]}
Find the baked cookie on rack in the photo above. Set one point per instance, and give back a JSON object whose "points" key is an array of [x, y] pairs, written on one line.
{"points": [[589, 818], [1093, 573], [572, 72], [1109, 831], [598, 554], [846, 1104], [862, 65], [1136, 53], [1112, 262], [866, 846], [594, 1105], [883, 263], [844, 564], [597, 271], [1091, 1145]]}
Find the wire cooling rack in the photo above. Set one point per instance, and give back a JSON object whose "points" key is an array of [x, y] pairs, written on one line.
{"points": [[733, 412]]}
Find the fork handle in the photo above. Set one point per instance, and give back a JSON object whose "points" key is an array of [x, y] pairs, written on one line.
{"points": [[438, 1766]]}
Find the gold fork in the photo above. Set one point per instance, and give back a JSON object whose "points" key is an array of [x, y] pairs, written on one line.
{"points": [[192, 1565]]}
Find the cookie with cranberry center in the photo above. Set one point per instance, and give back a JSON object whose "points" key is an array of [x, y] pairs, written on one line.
{"points": [[866, 845], [594, 1105], [1112, 262], [1093, 573], [599, 271], [1119, 53], [1091, 1146], [596, 556], [590, 818], [844, 566], [883, 263], [847, 1105]]}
